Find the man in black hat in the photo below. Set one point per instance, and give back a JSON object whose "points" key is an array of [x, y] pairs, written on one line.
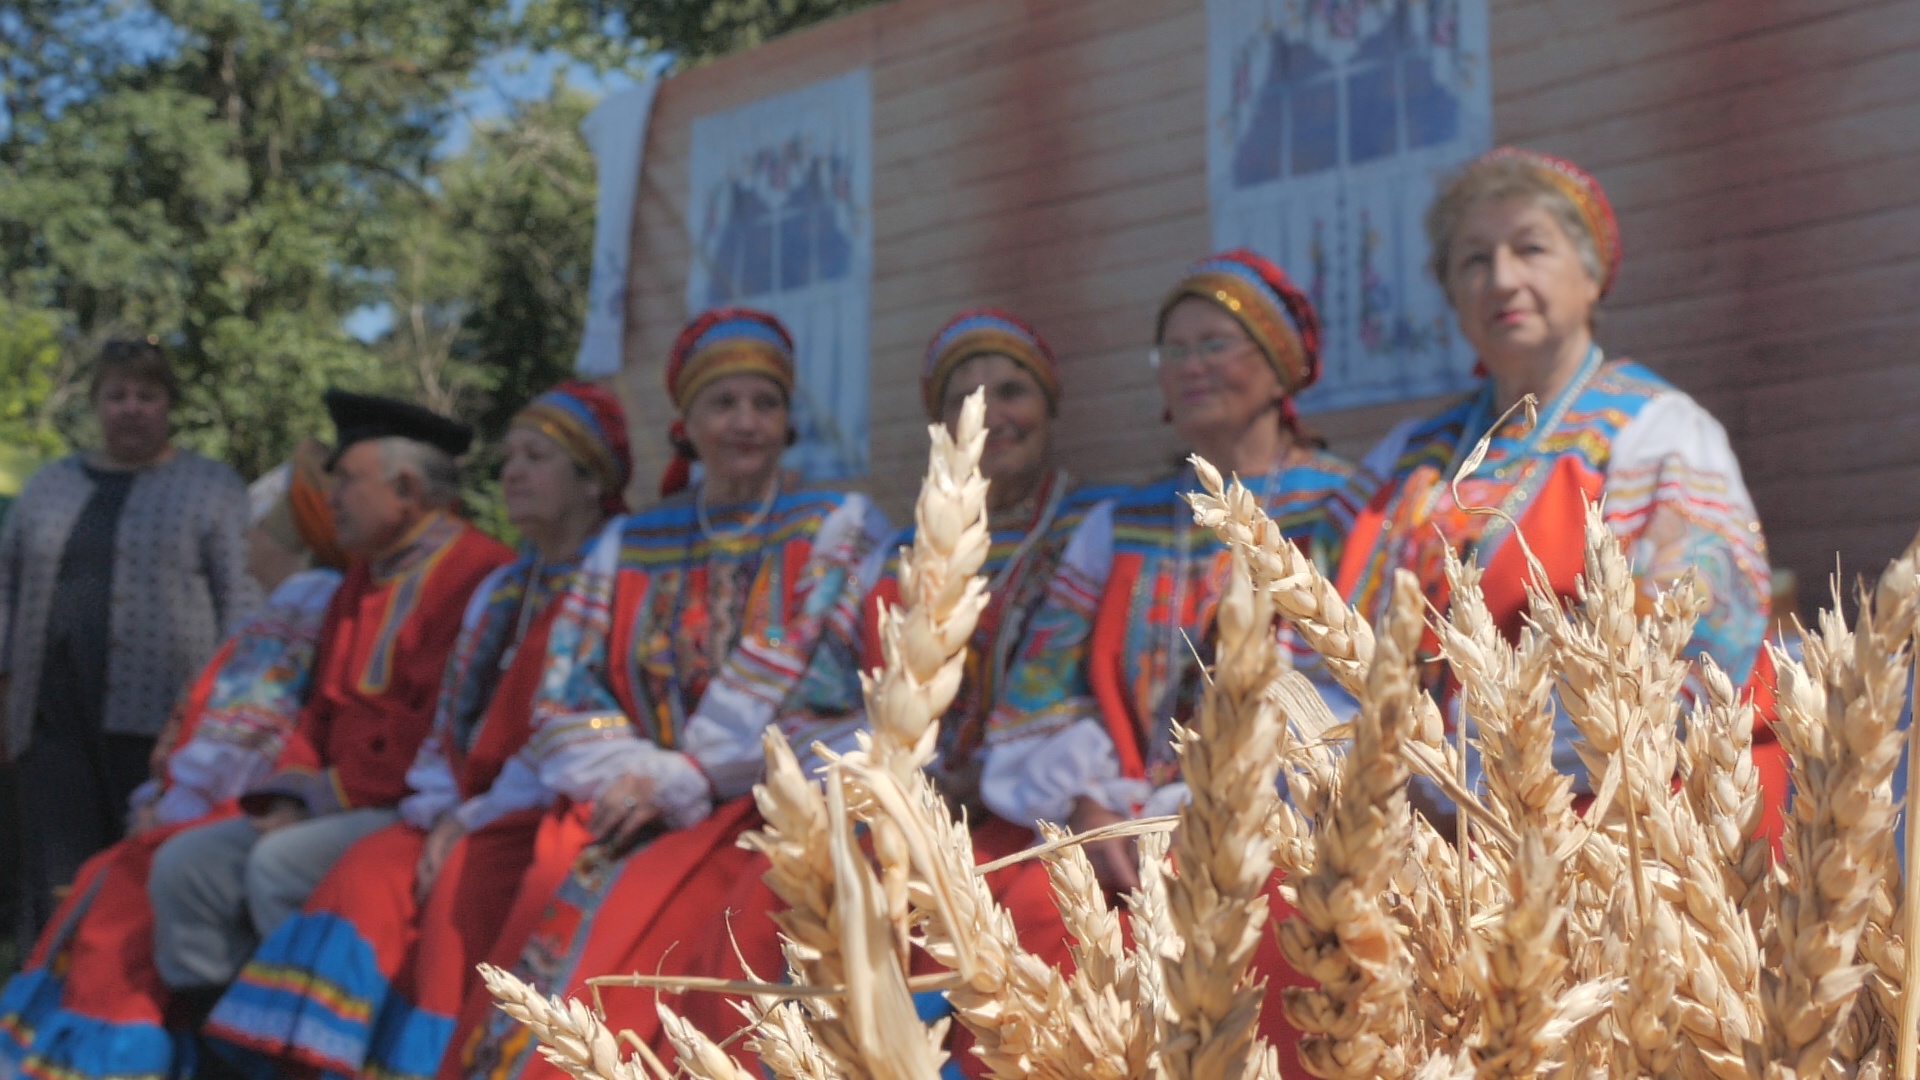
{"points": [[389, 632]]}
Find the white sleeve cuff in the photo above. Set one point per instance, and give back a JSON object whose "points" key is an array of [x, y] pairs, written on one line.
{"points": [[1167, 799], [178, 804], [723, 736], [517, 788], [422, 809], [1037, 779], [583, 770], [434, 790], [205, 773]]}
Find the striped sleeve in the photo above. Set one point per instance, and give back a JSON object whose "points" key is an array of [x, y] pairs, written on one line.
{"points": [[1675, 498]]}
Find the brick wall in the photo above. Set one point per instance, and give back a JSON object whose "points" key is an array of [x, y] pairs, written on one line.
{"points": [[1048, 155]]}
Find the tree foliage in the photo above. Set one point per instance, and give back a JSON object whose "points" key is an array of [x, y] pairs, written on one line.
{"points": [[694, 30], [237, 176]]}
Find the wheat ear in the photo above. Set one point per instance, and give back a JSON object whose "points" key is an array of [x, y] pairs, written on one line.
{"points": [[1518, 970], [1357, 1023], [1229, 758], [1304, 596], [1016, 1006], [1723, 787], [571, 1036], [777, 1034], [1837, 718], [924, 639], [699, 1055], [1300, 592], [1507, 692], [1106, 976]]}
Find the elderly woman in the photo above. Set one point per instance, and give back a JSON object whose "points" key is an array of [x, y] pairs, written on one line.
{"points": [[1526, 246], [729, 609], [1042, 528], [89, 1001], [121, 569], [368, 976], [1089, 744], [1033, 511]]}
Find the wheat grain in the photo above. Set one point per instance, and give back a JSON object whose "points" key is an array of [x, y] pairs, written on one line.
{"points": [[1837, 719], [1229, 759], [1357, 1022], [1300, 592], [699, 1056], [572, 1037]]}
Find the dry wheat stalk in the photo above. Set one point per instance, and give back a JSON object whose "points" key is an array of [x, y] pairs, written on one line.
{"points": [[575, 1040], [1014, 1004], [1300, 592], [1837, 715], [1518, 968], [699, 1055], [924, 639], [1357, 1022], [1229, 758]]}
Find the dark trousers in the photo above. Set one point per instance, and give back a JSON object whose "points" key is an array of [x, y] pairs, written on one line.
{"points": [[73, 787]]}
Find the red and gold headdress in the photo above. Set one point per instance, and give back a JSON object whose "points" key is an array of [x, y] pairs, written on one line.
{"points": [[1587, 196]]}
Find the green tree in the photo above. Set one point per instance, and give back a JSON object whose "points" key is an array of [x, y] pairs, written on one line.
{"points": [[236, 177], [695, 30], [490, 274], [35, 384]]}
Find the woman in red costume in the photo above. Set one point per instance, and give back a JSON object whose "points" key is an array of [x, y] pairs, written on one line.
{"points": [[1526, 247], [730, 608], [1048, 535], [89, 1002], [368, 977], [1089, 744]]}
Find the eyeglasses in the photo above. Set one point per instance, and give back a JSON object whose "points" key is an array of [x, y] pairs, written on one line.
{"points": [[1212, 351]]}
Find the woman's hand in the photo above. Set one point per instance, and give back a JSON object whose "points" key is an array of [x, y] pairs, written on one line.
{"points": [[1114, 862], [446, 833], [621, 812]]}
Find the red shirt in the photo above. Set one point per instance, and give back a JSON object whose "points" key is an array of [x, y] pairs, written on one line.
{"points": [[388, 635]]}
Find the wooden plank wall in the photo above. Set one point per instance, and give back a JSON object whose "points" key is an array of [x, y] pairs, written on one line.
{"points": [[1048, 155]]}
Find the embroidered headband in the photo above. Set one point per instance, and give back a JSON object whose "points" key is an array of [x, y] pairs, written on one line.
{"points": [[980, 332], [1587, 197], [724, 341], [1273, 311], [587, 421], [727, 341], [290, 505]]}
